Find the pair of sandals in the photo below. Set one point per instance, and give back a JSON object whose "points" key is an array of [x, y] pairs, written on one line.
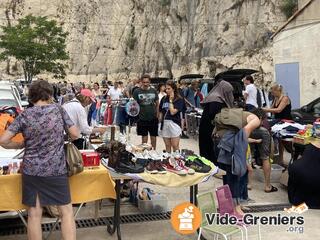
{"points": [[273, 189]]}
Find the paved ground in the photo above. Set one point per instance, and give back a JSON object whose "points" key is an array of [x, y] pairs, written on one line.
{"points": [[160, 230]]}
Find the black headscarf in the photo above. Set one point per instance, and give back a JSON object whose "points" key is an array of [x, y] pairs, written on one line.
{"points": [[222, 92]]}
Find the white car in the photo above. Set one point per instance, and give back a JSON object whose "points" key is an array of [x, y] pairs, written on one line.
{"points": [[10, 96]]}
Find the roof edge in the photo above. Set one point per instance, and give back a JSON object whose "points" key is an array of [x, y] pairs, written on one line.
{"points": [[297, 13]]}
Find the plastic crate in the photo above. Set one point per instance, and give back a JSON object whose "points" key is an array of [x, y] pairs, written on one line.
{"points": [[90, 158], [158, 205], [276, 171]]}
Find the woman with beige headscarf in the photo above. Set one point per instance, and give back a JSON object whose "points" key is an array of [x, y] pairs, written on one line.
{"points": [[219, 97]]}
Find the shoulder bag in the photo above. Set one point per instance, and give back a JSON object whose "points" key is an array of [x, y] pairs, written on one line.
{"points": [[72, 154]]}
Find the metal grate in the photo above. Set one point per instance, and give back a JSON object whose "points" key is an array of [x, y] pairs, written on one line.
{"points": [[15, 226], [266, 208]]}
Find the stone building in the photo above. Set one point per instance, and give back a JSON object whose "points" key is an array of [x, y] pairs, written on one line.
{"points": [[296, 54]]}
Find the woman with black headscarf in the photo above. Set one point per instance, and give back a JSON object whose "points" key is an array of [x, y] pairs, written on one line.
{"points": [[221, 96]]}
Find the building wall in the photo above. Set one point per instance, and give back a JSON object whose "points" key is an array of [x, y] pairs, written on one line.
{"points": [[302, 45], [309, 15]]}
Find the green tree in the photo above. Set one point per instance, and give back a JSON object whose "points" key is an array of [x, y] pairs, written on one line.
{"points": [[38, 44]]}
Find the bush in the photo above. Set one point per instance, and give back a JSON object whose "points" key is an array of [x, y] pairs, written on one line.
{"points": [[165, 3], [289, 7], [131, 39]]}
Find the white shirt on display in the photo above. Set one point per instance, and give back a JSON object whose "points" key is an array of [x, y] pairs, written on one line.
{"points": [[251, 91]]}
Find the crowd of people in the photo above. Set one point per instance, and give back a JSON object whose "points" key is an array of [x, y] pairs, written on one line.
{"points": [[76, 108]]}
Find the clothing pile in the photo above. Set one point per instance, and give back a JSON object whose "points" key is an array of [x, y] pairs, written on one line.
{"points": [[286, 129]]}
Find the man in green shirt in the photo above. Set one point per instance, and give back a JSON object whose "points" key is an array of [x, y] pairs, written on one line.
{"points": [[147, 98]]}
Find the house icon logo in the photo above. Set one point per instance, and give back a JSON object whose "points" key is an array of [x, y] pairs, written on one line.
{"points": [[186, 218]]}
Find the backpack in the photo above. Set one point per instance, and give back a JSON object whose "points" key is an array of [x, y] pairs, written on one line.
{"points": [[7, 117], [228, 119]]}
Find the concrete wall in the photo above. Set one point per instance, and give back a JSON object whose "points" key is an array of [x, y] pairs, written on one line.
{"points": [[310, 14], [302, 45]]}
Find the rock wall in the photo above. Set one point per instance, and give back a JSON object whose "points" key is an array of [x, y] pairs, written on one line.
{"points": [[121, 39]]}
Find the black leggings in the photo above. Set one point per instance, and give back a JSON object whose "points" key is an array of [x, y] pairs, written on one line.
{"points": [[233, 181]]}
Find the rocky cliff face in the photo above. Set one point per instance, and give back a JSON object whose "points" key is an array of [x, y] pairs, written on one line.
{"points": [[123, 38]]}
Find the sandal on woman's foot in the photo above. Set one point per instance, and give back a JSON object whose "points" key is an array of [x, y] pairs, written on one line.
{"points": [[273, 189]]}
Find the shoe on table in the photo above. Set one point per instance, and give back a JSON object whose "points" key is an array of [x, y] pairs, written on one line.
{"points": [[182, 165], [151, 167], [159, 167], [154, 155], [126, 165], [172, 166], [129, 167], [198, 166]]}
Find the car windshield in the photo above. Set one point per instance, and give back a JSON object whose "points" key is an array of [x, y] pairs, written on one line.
{"points": [[8, 103], [6, 94]]}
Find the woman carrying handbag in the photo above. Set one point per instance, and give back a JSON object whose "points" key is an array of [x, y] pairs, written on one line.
{"points": [[44, 169]]}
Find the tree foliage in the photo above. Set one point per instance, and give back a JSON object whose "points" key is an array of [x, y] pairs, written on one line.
{"points": [[38, 44], [289, 7]]}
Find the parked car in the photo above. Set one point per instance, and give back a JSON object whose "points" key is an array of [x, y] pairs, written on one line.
{"points": [[10, 96], [235, 77], [307, 114]]}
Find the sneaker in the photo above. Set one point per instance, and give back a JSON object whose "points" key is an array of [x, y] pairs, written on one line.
{"points": [[151, 168], [172, 166], [246, 201], [186, 153], [154, 155], [159, 167], [176, 155], [182, 165], [165, 155], [198, 166]]}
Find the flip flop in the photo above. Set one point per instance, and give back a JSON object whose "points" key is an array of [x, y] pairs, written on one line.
{"points": [[273, 189]]}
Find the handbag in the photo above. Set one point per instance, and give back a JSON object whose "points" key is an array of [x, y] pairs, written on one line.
{"points": [[72, 154]]}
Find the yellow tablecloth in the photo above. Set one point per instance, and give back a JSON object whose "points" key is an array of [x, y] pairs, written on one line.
{"points": [[173, 180], [90, 185]]}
